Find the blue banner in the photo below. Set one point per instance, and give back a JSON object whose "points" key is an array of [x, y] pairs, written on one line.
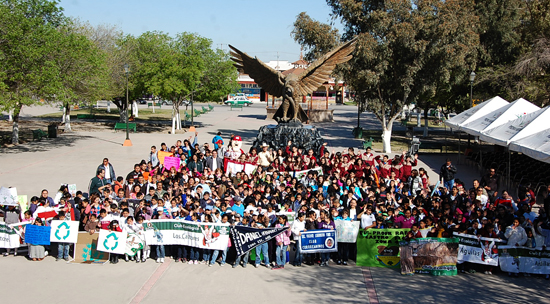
{"points": [[37, 235], [318, 241]]}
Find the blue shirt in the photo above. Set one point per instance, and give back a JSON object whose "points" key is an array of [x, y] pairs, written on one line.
{"points": [[238, 209]]}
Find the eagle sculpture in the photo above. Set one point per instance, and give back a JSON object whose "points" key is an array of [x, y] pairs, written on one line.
{"points": [[292, 87]]}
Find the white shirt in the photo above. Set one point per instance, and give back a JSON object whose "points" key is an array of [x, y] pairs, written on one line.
{"points": [[367, 220], [107, 172]]}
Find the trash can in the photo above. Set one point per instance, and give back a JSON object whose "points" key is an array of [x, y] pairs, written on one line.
{"points": [[358, 132], [52, 131]]}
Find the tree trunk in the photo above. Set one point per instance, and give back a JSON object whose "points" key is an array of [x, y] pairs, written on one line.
{"points": [[10, 115], [426, 110], [122, 115], [63, 118], [67, 117], [15, 133], [386, 139]]}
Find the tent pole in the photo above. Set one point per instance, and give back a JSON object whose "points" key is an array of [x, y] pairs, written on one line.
{"points": [[458, 162], [509, 166]]}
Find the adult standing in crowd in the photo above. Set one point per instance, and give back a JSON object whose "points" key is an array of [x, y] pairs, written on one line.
{"points": [[110, 175], [447, 174]]}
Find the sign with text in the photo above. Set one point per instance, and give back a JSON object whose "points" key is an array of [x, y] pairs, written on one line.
{"points": [[247, 238], [318, 241], [37, 235], [524, 259], [162, 154], [180, 232], [9, 237], [379, 247], [479, 250]]}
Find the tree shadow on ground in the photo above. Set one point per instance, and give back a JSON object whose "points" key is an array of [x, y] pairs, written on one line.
{"points": [[46, 144], [260, 117]]}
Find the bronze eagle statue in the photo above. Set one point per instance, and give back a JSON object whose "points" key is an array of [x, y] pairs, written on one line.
{"points": [[292, 87]]}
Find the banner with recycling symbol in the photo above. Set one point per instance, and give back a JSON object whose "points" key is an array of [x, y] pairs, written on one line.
{"points": [[64, 232], [112, 241]]}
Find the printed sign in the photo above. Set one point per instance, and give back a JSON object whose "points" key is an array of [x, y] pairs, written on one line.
{"points": [[64, 232], [435, 256], [37, 235], [379, 247], [9, 237], [180, 232], [318, 241], [111, 241], [347, 231], [479, 250], [247, 238], [300, 174], [8, 196], [524, 259]]}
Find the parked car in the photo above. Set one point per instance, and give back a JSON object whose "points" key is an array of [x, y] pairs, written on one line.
{"points": [[142, 101], [238, 100]]}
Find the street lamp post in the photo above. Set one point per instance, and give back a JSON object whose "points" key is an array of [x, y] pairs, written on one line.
{"points": [[472, 78], [127, 142], [192, 128]]}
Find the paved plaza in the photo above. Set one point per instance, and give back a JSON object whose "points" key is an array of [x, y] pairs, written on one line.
{"points": [[73, 158]]}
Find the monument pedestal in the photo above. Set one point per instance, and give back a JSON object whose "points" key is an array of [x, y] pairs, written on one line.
{"points": [[277, 136]]}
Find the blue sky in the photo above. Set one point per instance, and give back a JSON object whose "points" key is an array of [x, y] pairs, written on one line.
{"points": [[257, 27]]}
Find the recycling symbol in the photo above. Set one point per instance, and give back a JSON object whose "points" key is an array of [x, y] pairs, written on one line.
{"points": [[59, 229], [114, 237]]}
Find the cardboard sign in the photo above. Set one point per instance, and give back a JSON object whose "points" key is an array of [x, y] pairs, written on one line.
{"points": [[85, 250], [37, 235], [170, 162], [64, 232], [23, 202]]}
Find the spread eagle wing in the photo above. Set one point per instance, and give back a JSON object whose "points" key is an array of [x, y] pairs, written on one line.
{"points": [[270, 80], [319, 71]]}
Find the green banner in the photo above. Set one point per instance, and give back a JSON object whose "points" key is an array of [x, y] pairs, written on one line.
{"points": [[379, 247], [435, 256]]}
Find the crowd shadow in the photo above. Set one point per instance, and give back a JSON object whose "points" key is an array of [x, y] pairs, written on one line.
{"points": [[463, 288]]}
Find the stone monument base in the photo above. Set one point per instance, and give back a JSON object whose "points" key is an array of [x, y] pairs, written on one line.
{"points": [[277, 136]]}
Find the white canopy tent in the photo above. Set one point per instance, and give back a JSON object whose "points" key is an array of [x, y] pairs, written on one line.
{"points": [[536, 146], [499, 117], [476, 112], [517, 129]]}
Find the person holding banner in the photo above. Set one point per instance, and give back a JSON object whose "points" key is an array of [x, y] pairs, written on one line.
{"points": [[282, 240], [244, 257], [298, 227], [326, 224], [37, 252], [262, 223], [11, 216], [114, 226]]}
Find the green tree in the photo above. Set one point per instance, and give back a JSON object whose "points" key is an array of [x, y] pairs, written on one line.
{"points": [[28, 37], [83, 70], [219, 78], [406, 50]]}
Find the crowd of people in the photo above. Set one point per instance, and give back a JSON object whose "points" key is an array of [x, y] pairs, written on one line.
{"points": [[377, 190]]}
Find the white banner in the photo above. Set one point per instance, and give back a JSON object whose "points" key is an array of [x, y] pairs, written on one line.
{"points": [[64, 232], [524, 259], [134, 243], [479, 250], [180, 232], [346, 231], [9, 237], [8, 196], [111, 241]]}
